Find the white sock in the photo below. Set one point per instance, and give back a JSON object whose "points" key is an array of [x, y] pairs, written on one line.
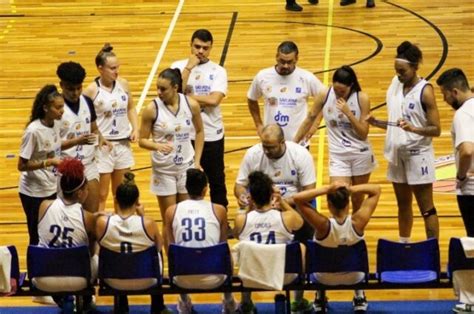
{"points": [[404, 239]]}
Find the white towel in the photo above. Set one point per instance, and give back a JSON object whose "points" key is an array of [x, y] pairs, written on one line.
{"points": [[395, 137], [262, 266], [5, 269], [468, 246]]}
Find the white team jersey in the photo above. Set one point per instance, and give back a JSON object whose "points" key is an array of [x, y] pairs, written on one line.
{"points": [[340, 234], [62, 226], [461, 131], [285, 97], [38, 143], [195, 224], [173, 129], [265, 227], [112, 109], [290, 172], [344, 142], [408, 107], [203, 80], [126, 235], [74, 125]]}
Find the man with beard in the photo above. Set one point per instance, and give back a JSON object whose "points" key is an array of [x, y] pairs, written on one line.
{"points": [[285, 89]]}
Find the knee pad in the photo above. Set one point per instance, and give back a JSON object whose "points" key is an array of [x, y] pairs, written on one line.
{"points": [[428, 213]]}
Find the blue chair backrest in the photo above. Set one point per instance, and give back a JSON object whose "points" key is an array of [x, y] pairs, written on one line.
{"points": [[144, 264], [344, 258], [418, 256], [199, 261], [58, 262], [293, 260], [457, 259]]}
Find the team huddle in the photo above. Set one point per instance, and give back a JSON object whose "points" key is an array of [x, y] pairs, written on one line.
{"points": [[77, 146]]}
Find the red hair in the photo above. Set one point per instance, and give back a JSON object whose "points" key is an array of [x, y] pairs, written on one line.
{"points": [[72, 174]]}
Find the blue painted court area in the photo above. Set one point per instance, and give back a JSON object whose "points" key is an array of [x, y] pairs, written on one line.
{"points": [[385, 307]]}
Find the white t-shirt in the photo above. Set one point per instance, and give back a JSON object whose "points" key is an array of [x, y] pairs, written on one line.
{"points": [[285, 97], [173, 129], [265, 227], [203, 80], [62, 226], [40, 142], [344, 142], [290, 172], [112, 111], [462, 131]]}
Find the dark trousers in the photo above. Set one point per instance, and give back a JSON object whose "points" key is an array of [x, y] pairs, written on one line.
{"points": [[212, 162], [466, 206], [31, 207], [157, 304]]}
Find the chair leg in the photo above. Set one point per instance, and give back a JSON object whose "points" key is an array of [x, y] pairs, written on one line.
{"points": [[79, 304], [280, 304], [288, 301]]}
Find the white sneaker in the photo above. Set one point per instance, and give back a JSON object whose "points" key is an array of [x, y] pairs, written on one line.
{"points": [[229, 307], [43, 300], [464, 308], [185, 307]]}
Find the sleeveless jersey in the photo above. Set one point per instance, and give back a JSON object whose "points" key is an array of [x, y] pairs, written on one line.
{"points": [[40, 142], [74, 125], [173, 129], [203, 80], [343, 140], [195, 224], [112, 109], [285, 97], [265, 227], [62, 226], [126, 235], [340, 234], [408, 107]]}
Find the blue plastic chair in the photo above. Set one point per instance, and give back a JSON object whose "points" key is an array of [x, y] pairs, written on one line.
{"points": [[457, 259], [408, 263], [213, 260], [320, 259]]}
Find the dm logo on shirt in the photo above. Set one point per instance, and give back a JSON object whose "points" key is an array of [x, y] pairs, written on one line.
{"points": [[298, 90], [281, 119]]}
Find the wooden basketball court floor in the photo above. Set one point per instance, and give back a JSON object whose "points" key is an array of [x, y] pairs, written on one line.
{"points": [[35, 36]]}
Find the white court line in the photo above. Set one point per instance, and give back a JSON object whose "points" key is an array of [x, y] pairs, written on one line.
{"points": [[160, 54]]}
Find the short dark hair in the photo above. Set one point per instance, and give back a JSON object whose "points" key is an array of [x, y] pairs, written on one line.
{"points": [[260, 188], [127, 192], [340, 198], [453, 78], [71, 72], [287, 47], [203, 35], [174, 76], [410, 52], [196, 181], [346, 75]]}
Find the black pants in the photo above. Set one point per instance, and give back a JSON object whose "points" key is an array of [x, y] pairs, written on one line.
{"points": [[212, 161], [157, 304], [466, 206], [31, 207]]}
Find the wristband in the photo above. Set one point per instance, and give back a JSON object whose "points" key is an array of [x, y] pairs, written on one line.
{"points": [[460, 179]]}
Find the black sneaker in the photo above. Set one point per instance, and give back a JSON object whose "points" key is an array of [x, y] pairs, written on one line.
{"points": [[347, 2], [370, 3], [360, 304], [320, 306], [313, 1], [293, 7]]}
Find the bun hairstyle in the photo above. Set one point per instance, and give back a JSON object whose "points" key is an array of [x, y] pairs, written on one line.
{"points": [[72, 176], [45, 97], [260, 188], [127, 192], [340, 198], [104, 53], [410, 52]]}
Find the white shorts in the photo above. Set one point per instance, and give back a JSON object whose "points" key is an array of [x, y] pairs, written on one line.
{"points": [[357, 166], [166, 184], [120, 157], [413, 168], [91, 171]]}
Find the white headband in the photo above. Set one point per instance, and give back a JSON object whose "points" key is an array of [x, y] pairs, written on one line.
{"points": [[404, 60]]}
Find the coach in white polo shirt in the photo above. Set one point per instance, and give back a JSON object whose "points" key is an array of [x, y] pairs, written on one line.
{"points": [[285, 89]]}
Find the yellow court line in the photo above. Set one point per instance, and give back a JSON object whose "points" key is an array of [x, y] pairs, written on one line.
{"points": [[322, 132]]}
